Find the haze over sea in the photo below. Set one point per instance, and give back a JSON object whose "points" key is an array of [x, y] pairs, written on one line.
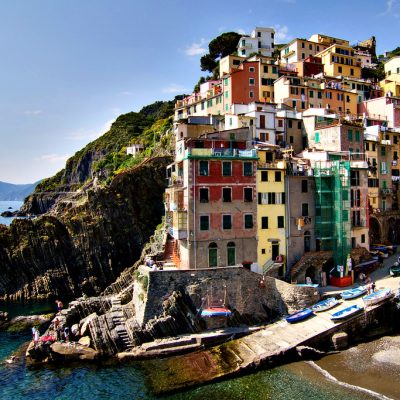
{"points": [[5, 206]]}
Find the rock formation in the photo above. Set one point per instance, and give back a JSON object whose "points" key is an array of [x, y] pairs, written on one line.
{"points": [[84, 240]]}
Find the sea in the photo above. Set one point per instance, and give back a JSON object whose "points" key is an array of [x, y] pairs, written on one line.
{"points": [[9, 206], [367, 371]]}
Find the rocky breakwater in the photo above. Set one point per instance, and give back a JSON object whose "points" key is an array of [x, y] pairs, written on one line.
{"points": [[83, 242]]}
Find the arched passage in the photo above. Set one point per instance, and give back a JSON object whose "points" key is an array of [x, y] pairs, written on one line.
{"points": [[394, 231], [374, 231]]}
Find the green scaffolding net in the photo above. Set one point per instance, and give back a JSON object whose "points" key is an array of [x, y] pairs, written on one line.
{"points": [[332, 222]]}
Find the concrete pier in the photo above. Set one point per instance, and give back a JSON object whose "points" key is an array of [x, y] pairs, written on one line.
{"points": [[268, 346]]}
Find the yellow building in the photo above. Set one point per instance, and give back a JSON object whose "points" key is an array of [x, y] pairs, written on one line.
{"points": [[339, 59], [271, 210], [391, 83], [327, 40]]}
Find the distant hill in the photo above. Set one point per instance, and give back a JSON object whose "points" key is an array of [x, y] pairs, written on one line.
{"points": [[12, 192]]}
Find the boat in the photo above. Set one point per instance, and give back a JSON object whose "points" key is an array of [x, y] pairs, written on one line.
{"points": [[215, 312], [313, 285], [376, 297], [353, 293], [299, 316], [394, 270], [325, 304], [346, 312]]}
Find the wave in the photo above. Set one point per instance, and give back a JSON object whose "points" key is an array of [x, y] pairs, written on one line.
{"points": [[330, 377]]}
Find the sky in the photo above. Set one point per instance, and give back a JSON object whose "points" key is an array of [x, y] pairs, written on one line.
{"points": [[70, 67]]}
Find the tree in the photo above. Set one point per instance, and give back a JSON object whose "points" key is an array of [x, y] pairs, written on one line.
{"points": [[220, 47]]}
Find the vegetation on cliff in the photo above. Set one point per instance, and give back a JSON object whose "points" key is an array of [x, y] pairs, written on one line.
{"points": [[105, 156]]}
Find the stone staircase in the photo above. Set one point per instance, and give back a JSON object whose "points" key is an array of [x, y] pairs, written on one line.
{"points": [[119, 322], [171, 254]]}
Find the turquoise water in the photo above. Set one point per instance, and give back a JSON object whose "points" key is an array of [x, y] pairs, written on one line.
{"points": [[19, 381], [4, 205]]}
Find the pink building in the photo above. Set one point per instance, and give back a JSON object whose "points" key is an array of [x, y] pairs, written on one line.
{"points": [[381, 109]]}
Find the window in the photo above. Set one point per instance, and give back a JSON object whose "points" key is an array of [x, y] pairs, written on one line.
{"points": [[251, 94], [231, 253], [280, 123], [248, 194], [251, 81], [350, 135], [319, 95], [311, 94], [226, 94], [265, 69], [278, 176], [264, 222], [204, 195], [243, 42], [248, 221], [274, 70], [289, 123], [264, 176], [316, 137], [203, 168], [395, 139], [294, 103], [247, 169], [226, 195], [310, 46], [204, 222], [226, 81], [291, 139], [383, 151], [304, 210], [357, 136], [362, 238], [212, 255], [351, 71], [340, 70], [354, 178], [304, 186], [367, 146], [328, 95], [281, 222], [302, 45], [227, 222], [226, 168], [251, 69]]}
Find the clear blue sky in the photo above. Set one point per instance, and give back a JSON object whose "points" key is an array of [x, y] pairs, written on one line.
{"points": [[70, 67]]}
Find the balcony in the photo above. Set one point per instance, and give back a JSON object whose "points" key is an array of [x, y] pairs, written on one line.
{"points": [[272, 165], [386, 191], [221, 152], [175, 181], [386, 142]]}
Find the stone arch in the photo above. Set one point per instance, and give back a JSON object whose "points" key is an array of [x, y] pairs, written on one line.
{"points": [[393, 231], [375, 231]]}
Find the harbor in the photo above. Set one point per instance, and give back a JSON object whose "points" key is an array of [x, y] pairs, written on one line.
{"points": [[276, 344]]}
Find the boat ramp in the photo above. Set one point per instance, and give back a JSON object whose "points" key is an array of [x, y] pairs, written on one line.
{"points": [[270, 346]]}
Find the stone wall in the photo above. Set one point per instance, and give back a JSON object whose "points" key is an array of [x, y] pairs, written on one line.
{"points": [[240, 288]]}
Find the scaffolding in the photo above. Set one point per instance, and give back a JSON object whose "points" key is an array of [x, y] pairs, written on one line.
{"points": [[332, 222]]}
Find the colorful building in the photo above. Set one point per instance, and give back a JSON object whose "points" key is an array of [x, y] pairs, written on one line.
{"points": [[261, 41], [211, 199], [271, 210]]}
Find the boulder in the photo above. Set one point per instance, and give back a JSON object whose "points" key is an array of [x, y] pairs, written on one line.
{"points": [[24, 322], [72, 351], [84, 341], [84, 324]]}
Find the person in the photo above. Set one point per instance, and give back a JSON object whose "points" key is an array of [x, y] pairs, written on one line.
{"points": [[59, 306], [33, 332], [37, 335], [362, 277], [373, 286], [66, 334]]}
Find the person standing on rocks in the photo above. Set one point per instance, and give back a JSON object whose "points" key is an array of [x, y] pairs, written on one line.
{"points": [[59, 306]]}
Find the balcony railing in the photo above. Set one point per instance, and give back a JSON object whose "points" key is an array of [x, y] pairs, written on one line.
{"points": [[386, 191], [175, 181], [221, 152], [272, 165]]}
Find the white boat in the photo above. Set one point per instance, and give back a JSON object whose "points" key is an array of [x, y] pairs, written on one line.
{"points": [[325, 304], [346, 312], [377, 297]]}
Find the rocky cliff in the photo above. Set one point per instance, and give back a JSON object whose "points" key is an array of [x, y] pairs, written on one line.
{"points": [[85, 239]]}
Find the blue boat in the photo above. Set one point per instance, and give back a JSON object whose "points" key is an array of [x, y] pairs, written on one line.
{"points": [[313, 285], [377, 297], [325, 304], [215, 312], [346, 312], [353, 293], [299, 316]]}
